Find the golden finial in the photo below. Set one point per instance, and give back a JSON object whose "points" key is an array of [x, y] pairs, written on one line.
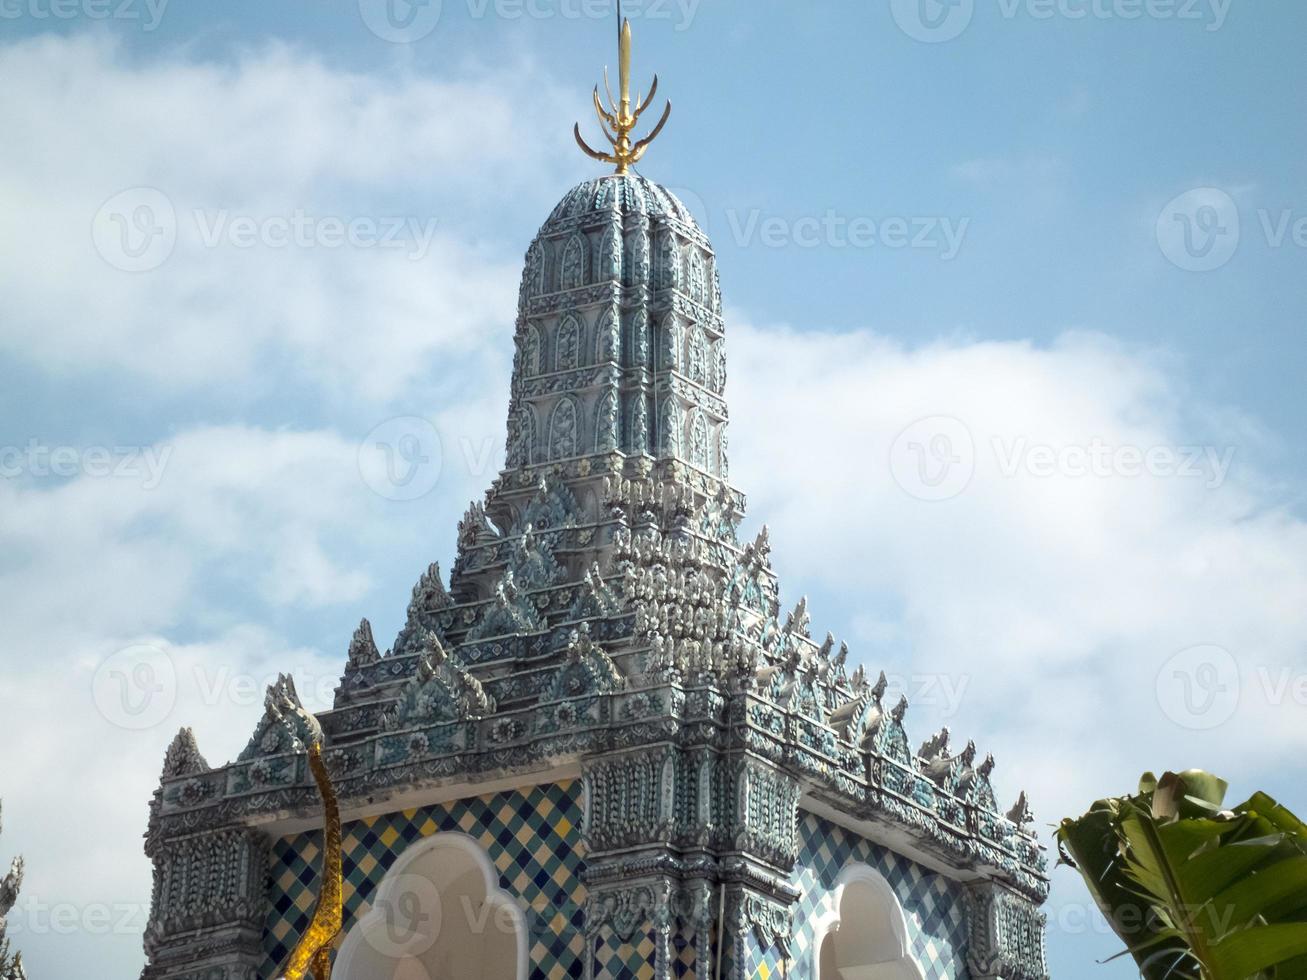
{"points": [[620, 119]]}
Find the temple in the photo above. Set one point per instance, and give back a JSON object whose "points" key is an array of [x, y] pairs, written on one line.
{"points": [[601, 748]]}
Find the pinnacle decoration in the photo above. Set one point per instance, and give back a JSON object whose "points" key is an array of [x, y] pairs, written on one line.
{"points": [[620, 119]]}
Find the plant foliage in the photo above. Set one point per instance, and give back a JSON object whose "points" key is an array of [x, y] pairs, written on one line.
{"points": [[1197, 892]]}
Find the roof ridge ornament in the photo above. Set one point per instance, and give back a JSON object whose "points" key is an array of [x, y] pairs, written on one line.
{"points": [[620, 118]]}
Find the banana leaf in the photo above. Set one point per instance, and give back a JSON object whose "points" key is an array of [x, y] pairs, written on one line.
{"points": [[1197, 892]]}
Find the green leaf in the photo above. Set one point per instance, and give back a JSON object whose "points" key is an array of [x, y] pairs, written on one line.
{"points": [[1281, 818], [1195, 891], [1208, 874], [1260, 893], [1250, 951]]}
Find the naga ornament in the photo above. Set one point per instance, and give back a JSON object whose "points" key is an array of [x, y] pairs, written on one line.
{"points": [[312, 955]]}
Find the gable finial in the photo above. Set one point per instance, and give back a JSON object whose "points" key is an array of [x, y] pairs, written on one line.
{"points": [[621, 117]]}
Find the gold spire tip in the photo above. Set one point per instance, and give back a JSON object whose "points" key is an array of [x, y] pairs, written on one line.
{"points": [[620, 118]]}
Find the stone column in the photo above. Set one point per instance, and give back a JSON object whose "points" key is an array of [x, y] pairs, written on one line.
{"points": [[1006, 933], [209, 906]]}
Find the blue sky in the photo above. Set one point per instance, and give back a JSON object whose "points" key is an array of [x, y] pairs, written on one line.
{"points": [[979, 235]]}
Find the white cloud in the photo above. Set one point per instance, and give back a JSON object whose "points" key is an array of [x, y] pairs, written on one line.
{"points": [[1059, 598], [242, 522], [251, 151]]}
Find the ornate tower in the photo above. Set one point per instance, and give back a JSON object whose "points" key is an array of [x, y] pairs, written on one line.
{"points": [[604, 726]]}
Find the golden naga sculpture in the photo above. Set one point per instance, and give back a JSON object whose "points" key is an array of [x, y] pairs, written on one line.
{"points": [[314, 951], [620, 118]]}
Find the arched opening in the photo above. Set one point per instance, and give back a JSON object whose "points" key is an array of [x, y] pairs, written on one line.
{"points": [[865, 937], [438, 914]]}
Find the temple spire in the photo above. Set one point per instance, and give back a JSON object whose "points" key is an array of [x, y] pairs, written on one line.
{"points": [[621, 117]]}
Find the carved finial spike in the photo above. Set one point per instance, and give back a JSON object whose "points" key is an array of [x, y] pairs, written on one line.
{"points": [[1020, 813], [363, 648], [969, 754], [619, 119], [183, 756], [9, 888], [859, 678], [935, 747], [882, 684]]}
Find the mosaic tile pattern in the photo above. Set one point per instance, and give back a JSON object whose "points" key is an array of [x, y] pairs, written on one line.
{"points": [[685, 956], [625, 960], [933, 904], [532, 836]]}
